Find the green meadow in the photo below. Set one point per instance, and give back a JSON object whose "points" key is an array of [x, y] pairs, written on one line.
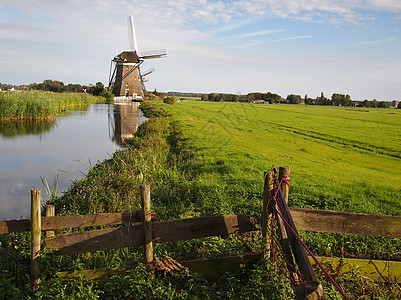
{"points": [[341, 158]]}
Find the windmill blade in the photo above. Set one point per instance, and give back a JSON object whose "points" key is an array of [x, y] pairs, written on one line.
{"points": [[148, 72], [154, 54], [131, 34]]}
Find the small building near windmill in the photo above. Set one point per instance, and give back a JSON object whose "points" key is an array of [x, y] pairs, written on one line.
{"points": [[128, 81]]}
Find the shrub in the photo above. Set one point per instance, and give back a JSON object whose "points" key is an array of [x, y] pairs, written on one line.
{"points": [[108, 95], [170, 100]]}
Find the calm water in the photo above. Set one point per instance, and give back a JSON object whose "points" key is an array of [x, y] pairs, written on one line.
{"points": [[31, 151]]}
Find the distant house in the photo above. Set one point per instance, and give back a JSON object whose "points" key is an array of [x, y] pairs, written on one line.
{"points": [[259, 102], [395, 103]]}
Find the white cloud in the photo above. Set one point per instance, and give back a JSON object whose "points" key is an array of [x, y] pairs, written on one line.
{"points": [[251, 34], [377, 42], [292, 38]]}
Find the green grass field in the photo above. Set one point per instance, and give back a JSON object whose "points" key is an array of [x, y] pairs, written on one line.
{"points": [[340, 158]]}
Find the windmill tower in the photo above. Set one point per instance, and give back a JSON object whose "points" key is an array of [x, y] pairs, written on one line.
{"points": [[126, 80]]}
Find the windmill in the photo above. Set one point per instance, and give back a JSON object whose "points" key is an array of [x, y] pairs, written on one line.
{"points": [[126, 80]]}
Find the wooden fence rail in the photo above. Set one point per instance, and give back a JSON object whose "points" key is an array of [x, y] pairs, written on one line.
{"points": [[65, 222], [305, 219], [185, 229], [162, 232]]}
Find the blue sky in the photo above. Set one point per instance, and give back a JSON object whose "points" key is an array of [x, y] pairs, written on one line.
{"points": [[286, 46]]}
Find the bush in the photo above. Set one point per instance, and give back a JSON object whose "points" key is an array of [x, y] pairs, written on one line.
{"points": [[170, 100], [108, 95]]}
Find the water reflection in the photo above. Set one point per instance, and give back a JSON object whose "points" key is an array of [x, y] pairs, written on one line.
{"points": [[124, 121], [31, 150], [13, 129]]}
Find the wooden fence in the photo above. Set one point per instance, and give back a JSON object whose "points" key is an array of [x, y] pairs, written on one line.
{"points": [[142, 229]]}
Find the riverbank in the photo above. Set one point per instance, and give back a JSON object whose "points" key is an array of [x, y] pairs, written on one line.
{"points": [[37, 105]]}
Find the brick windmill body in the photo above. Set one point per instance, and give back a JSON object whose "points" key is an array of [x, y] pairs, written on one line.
{"points": [[126, 81]]}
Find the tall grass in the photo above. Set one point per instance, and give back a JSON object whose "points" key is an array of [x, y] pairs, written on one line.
{"points": [[32, 105]]}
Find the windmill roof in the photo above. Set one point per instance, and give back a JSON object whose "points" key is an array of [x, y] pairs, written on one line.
{"points": [[127, 56]]}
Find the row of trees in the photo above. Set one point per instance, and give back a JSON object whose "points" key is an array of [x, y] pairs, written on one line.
{"points": [[335, 100], [58, 87], [219, 97]]}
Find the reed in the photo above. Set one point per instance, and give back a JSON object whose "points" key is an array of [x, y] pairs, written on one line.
{"points": [[36, 105]]}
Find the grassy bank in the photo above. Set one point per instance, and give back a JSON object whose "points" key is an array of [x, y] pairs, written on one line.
{"points": [[205, 159], [40, 105]]}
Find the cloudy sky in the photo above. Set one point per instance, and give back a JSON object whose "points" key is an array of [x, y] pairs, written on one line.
{"points": [[282, 46]]}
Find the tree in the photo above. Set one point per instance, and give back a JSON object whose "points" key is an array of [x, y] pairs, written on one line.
{"points": [[366, 103], [96, 89], [322, 100], [384, 104], [341, 100], [307, 100], [294, 99], [337, 99]]}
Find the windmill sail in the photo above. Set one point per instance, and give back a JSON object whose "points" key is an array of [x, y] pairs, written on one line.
{"points": [[147, 72], [154, 54], [131, 34]]}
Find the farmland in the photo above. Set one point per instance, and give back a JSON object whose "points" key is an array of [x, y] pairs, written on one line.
{"points": [[353, 154]]}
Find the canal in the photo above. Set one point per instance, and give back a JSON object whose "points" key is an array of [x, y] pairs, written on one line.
{"points": [[64, 148]]}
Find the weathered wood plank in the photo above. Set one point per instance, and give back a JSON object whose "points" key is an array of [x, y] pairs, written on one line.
{"points": [[211, 268], [299, 252], [96, 274], [346, 223], [378, 270], [35, 237], [64, 222], [194, 228], [15, 226], [301, 257], [50, 212], [305, 219], [97, 240], [267, 210], [147, 223], [168, 231]]}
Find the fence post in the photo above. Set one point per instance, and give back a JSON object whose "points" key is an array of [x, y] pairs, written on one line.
{"points": [[311, 288], [50, 212], [35, 238], [267, 212], [147, 222]]}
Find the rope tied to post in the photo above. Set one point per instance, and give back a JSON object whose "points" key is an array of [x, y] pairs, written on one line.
{"points": [[328, 276]]}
